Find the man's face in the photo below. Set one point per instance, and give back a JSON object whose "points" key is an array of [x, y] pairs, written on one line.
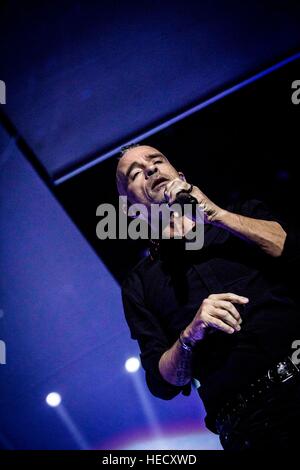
{"points": [[144, 172]]}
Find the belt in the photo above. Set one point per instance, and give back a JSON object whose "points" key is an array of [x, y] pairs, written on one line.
{"points": [[282, 372]]}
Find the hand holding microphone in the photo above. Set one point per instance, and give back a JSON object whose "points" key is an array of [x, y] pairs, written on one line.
{"points": [[183, 197], [179, 191]]}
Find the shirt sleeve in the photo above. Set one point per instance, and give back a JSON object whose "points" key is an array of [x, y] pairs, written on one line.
{"points": [[259, 210], [145, 328]]}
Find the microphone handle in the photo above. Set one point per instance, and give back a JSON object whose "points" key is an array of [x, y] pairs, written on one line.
{"points": [[183, 197]]}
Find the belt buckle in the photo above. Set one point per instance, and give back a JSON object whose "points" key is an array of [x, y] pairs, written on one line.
{"points": [[283, 371]]}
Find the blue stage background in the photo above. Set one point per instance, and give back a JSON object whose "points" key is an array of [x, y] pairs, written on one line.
{"points": [[83, 78]]}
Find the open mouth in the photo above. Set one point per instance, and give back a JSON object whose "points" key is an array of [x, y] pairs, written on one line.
{"points": [[159, 182]]}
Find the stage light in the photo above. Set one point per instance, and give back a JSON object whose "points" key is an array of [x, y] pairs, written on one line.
{"points": [[53, 399], [132, 364]]}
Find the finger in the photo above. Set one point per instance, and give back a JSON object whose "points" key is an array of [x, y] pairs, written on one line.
{"points": [[226, 317], [227, 306], [168, 188], [238, 299], [220, 325], [173, 188]]}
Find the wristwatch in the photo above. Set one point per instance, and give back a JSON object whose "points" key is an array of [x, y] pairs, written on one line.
{"points": [[185, 343]]}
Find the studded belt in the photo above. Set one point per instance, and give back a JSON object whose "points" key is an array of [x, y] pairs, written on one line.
{"points": [[282, 372]]}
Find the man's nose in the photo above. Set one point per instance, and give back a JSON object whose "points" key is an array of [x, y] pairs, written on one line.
{"points": [[150, 171]]}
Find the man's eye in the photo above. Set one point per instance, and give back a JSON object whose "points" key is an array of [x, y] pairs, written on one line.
{"points": [[158, 161], [134, 175]]}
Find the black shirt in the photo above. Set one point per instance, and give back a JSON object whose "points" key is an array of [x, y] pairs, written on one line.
{"points": [[161, 297]]}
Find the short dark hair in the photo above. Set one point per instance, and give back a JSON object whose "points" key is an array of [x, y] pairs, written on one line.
{"points": [[127, 147]]}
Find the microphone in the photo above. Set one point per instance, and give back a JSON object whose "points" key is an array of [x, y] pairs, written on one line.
{"points": [[184, 197]]}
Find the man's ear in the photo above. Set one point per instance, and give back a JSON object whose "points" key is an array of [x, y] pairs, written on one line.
{"points": [[181, 176]]}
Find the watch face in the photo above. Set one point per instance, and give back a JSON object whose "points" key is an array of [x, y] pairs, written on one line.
{"points": [[186, 344]]}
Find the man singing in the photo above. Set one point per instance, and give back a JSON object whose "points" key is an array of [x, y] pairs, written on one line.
{"points": [[226, 314]]}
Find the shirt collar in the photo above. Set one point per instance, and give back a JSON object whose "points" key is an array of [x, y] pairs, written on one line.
{"points": [[168, 248]]}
